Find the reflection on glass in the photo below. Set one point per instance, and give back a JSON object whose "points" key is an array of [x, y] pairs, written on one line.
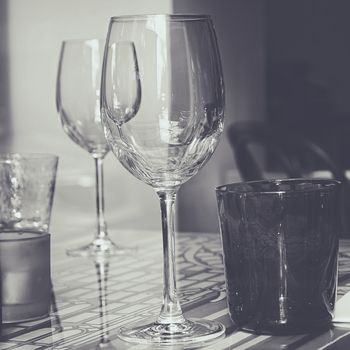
{"points": [[102, 266], [54, 311]]}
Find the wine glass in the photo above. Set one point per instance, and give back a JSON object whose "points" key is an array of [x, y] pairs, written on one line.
{"points": [[162, 107], [78, 103]]}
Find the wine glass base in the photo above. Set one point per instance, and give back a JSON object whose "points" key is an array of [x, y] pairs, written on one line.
{"points": [[193, 333], [101, 247]]}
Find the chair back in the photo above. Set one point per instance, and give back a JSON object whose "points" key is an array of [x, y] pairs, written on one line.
{"points": [[264, 151], [288, 153]]}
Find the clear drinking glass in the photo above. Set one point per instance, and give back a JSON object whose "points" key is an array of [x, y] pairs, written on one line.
{"points": [[27, 183], [162, 101], [78, 103]]}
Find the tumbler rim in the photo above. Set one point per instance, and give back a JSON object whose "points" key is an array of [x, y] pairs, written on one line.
{"points": [[171, 17], [236, 187], [29, 156]]}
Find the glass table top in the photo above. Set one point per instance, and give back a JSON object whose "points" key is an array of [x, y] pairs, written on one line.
{"points": [[92, 299]]}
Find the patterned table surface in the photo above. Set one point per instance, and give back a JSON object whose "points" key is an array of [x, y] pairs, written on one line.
{"points": [[91, 300]]}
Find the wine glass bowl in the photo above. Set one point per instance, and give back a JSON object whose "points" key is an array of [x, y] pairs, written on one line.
{"points": [[180, 117], [170, 133], [78, 100]]}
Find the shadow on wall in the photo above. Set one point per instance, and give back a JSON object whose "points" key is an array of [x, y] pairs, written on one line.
{"points": [[298, 102], [5, 119], [307, 71]]}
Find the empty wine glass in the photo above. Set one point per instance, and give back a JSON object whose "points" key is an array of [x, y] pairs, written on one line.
{"points": [[78, 103], [166, 135]]}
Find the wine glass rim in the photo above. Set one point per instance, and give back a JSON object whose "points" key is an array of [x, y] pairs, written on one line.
{"points": [[171, 17]]}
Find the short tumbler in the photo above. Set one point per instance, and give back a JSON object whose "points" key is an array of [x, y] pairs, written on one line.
{"points": [[27, 183], [280, 244]]}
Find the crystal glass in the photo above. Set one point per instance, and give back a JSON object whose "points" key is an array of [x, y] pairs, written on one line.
{"points": [[27, 183], [78, 103], [162, 102]]}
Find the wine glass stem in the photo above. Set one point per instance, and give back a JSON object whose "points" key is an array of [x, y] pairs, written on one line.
{"points": [[101, 223], [171, 310]]}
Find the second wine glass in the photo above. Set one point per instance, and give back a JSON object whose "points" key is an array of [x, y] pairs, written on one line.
{"points": [[78, 103]]}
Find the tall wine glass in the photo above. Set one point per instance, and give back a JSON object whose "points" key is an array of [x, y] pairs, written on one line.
{"points": [[78, 103], [162, 101]]}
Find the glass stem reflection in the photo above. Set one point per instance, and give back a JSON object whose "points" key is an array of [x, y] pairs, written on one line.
{"points": [[101, 223], [171, 310], [102, 267]]}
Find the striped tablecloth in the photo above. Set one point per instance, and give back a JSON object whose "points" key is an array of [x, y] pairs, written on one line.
{"points": [[92, 300]]}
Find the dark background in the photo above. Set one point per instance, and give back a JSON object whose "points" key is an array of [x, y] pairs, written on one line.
{"points": [[285, 62]]}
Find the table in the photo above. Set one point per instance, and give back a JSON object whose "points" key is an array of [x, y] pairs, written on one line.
{"points": [[91, 300]]}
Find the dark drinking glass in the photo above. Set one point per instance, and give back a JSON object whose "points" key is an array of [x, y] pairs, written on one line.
{"points": [[280, 243]]}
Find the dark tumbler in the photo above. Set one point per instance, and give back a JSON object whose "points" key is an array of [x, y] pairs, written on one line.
{"points": [[280, 244]]}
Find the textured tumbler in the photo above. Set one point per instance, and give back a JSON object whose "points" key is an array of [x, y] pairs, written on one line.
{"points": [[27, 183], [280, 244]]}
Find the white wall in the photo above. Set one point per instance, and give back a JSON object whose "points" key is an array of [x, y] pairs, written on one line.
{"points": [[5, 121], [36, 29]]}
